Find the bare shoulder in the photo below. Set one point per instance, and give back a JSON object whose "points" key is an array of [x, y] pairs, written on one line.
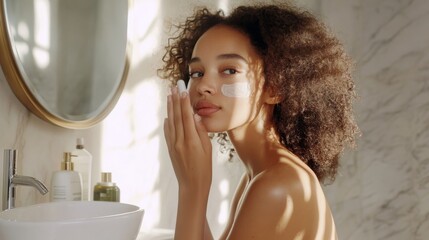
{"points": [[284, 202], [288, 178]]}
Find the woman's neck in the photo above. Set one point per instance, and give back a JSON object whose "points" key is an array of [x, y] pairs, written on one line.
{"points": [[255, 144]]}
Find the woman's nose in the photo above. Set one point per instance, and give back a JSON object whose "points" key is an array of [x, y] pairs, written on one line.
{"points": [[206, 85]]}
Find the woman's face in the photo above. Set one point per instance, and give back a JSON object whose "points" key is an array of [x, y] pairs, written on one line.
{"points": [[226, 79]]}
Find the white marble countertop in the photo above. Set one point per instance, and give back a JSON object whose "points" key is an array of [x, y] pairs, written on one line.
{"points": [[156, 234]]}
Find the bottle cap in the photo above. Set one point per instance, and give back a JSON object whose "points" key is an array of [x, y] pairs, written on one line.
{"points": [[79, 143], [106, 177]]}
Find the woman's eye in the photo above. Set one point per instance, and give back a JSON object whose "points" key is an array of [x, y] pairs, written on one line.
{"points": [[230, 71], [196, 74]]}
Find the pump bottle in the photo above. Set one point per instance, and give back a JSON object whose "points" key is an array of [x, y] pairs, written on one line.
{"points": [[66, 184]]}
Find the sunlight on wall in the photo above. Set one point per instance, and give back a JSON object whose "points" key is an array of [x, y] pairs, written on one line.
{"points": [[226, 175], [224, 206], [130, 139], [130, 148], [224, 5], [147, 30]]}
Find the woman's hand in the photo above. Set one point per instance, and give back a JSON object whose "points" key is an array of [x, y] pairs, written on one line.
{"points": [[188, 144], [191, 155]]}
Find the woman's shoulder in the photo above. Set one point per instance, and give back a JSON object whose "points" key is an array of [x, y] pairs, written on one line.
{"points": [[288, 201], [287, 177]]}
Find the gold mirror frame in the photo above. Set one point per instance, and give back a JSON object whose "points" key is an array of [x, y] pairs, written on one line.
{"points": [[26, 97]]}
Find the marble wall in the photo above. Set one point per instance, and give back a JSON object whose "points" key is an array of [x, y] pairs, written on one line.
{"points": [[382, 191]]}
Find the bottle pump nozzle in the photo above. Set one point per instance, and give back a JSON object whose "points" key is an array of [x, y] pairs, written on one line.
{"points": [[67, 164]]}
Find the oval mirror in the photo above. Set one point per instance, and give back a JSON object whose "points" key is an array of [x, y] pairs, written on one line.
{"points": [[65, 60]]}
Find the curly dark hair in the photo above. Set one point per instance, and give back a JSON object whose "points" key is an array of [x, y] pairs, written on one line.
{"points": [[304, 64]]}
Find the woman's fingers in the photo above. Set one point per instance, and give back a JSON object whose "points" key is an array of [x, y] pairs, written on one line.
{"points": [[170, 121], [202, 134], [194, 131], [167, 135], [187, 112], [190, 132], [183, 128], [171, 151], [188, 144], [177, 116]]}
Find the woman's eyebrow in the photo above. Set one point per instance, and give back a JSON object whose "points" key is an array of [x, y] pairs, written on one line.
{"points": [[194, 59], [221, 57], [231, 56]]}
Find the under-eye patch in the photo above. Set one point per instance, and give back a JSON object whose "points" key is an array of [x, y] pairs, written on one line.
{"points": [[238, 90]]}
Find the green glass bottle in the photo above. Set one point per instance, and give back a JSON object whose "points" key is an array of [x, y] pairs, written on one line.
{"points": [[106, 190]]}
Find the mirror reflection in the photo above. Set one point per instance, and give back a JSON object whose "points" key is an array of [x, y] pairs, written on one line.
{"points": [[71, 54]]}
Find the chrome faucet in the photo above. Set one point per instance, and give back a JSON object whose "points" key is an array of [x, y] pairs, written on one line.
{"points": [[11, 180]]}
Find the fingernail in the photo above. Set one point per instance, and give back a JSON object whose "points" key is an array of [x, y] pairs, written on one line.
{"points": [[181, 85], [174, 90], [183, 94]]}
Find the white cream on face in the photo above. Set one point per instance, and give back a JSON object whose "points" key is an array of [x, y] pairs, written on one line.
{"points": [[237, 90]]}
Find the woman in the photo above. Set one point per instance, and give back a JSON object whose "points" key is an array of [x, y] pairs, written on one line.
{"points": [[279, 84]]}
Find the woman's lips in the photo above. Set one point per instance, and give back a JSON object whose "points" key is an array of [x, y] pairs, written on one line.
{"points": [[205, 108]]}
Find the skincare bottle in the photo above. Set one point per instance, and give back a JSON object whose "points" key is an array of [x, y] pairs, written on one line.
{"points": [[83, 165], [106, 190], [66, 184]]}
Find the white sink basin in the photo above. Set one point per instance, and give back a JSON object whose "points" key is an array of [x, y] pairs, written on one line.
{"points": [[72, 221]]}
